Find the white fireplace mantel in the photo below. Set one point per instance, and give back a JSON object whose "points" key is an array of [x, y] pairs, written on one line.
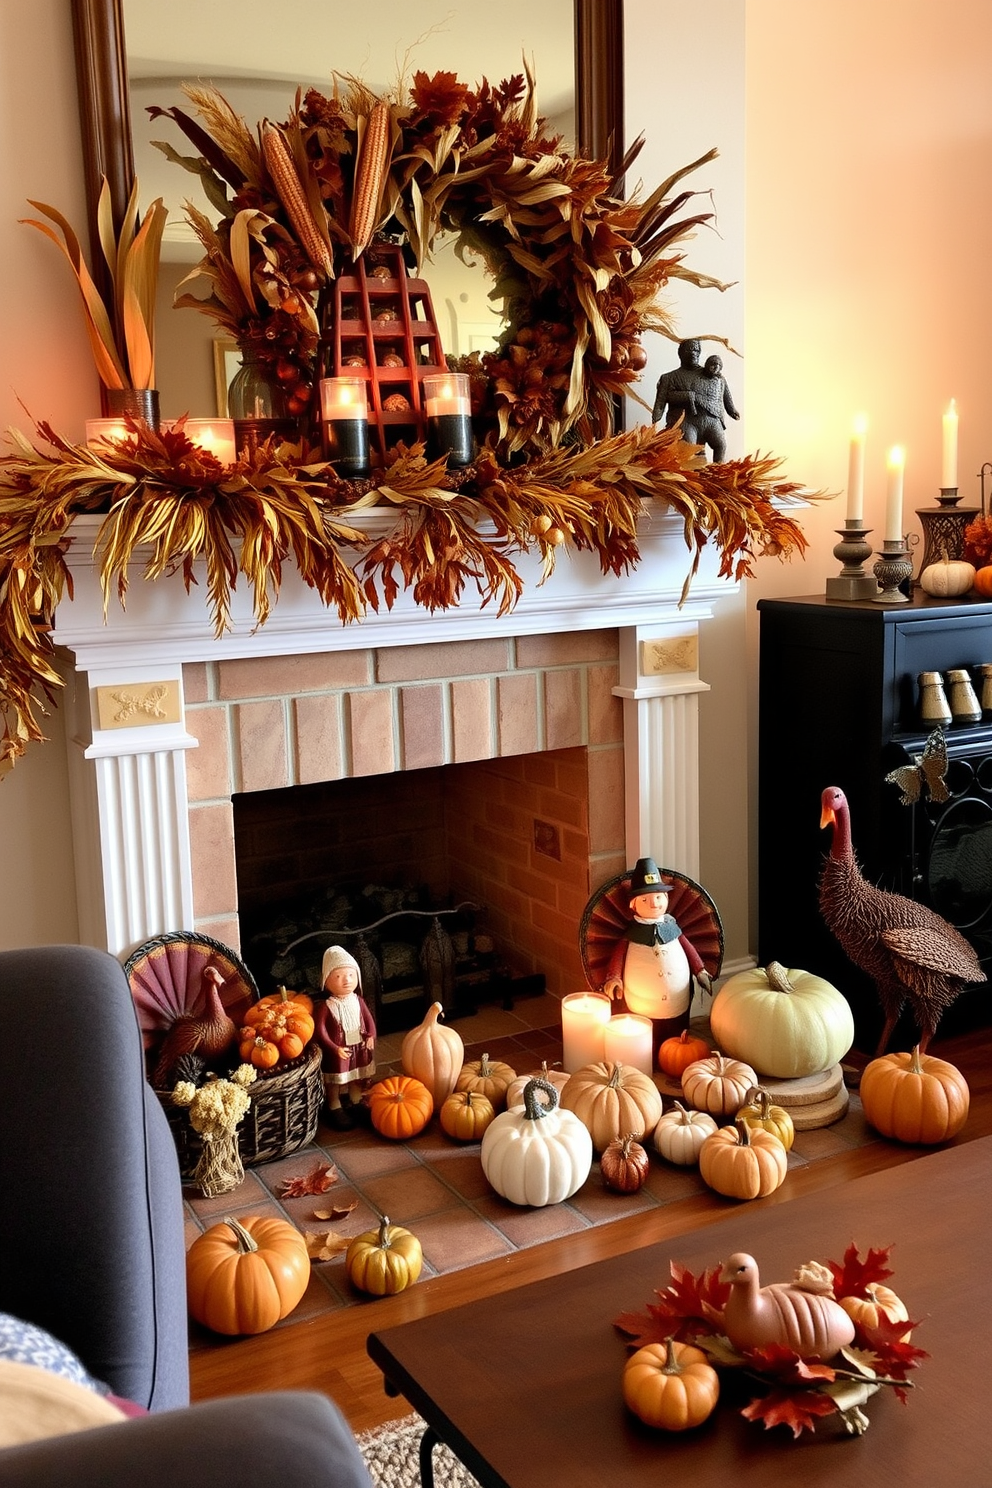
{"points": [[128, 782]]}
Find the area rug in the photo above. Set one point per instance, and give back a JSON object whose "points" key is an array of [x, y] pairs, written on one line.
{"points": [[392, 1455]]}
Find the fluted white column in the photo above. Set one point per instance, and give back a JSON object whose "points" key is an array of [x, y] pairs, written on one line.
{"points": [[660, 687], [130, 813]]}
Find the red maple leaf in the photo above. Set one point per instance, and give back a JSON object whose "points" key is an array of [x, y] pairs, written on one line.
{"points": [[853, 1277], [797, 1409], [690, 1306], [317, 1181], [779, 1362]]}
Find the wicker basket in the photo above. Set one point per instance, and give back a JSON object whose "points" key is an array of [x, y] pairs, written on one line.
{"points": [[283, 1115]]}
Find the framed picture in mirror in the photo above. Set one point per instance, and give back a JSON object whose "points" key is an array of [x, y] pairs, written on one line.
{"points": [[227, 361]]}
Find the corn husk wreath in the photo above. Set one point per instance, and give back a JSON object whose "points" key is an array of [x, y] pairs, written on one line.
{"points": [[578, 272]]}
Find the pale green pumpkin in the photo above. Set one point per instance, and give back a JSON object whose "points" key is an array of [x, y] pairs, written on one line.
{"points": [[785, 1023]]}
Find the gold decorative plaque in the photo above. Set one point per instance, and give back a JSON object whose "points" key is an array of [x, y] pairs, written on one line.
{"points": [[138, 704], [669, 654]]}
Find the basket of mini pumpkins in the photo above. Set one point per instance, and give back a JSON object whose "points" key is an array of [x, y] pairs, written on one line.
{"points": [[179, 981]]}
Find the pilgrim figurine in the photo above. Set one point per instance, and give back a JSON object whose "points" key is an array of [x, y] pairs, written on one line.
{"points": [[346, 1032], [653, 963]]}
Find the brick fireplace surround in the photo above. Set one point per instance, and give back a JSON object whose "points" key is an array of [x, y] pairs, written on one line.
{"points": [[166, 722]]}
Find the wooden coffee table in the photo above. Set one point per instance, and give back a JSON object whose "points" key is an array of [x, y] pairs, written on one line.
{"points": [[524, 1387]]}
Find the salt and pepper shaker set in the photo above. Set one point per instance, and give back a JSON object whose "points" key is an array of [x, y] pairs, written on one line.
{"points": [[959, 704]]}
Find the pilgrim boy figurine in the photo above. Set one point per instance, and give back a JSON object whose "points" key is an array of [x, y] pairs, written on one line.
{"points": [[653, 963], [346, 1033]]}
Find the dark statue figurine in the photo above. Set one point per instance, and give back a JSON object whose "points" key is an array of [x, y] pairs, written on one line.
{"points": [[699, 396]]}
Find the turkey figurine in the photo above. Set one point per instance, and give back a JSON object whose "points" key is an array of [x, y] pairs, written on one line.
{"points": [[207, 1034], [911, 953], [801, 1314]]}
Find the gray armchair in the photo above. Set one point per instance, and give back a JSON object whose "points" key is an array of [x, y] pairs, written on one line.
{"points": [[92, 1249]]}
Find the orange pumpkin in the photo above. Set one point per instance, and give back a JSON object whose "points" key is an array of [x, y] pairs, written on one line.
{"points": [[670, 1385], [465, 1115], [242, 1276], [743, 1162], [400, 1107], [281, 1021], [612, 1100], [982, 583], [258, 1051], [914, 1097], [878, 1303], [676, 1054], [489, 1077]]}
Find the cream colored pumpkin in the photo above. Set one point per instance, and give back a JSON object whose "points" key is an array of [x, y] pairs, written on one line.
{"points": [[718, 1085], [515, 1090], [785, 1023], [680, 1134], [540, 1155], [434, 1055], [613, 1100], [947, 579]]}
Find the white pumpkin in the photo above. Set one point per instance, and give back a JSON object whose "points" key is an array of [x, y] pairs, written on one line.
{"points": [[539, 1155], [515, 1091], [947, 578], [786, 1023], [680, 1134]]}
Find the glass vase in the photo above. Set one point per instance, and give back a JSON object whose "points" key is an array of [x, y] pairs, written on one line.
{"points": [[257, 404]]}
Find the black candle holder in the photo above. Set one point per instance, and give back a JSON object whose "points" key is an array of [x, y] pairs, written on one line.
{"points": [[852, 582], [449, 435], [346, 445], [893, 568], [943, 527]]}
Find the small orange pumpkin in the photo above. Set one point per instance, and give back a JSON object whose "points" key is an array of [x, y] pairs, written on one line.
{"points": [[489, 1077], [676, 1054], [982, 583], [743, 1162], [242, 1276], [256, 1050], [400, 1107], [878, 1303], [670, 1385], [915, 1098], [465, 1115]]}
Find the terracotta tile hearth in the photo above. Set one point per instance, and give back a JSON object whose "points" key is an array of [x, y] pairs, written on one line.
{"points": [[436, 1187]]}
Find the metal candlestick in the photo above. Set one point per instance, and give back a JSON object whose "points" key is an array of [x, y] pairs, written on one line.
{"points": [[894, 566], [852, 582], [943, 527]]}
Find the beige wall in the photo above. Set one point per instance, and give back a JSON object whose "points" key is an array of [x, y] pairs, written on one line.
{"points": [[868, 162]]}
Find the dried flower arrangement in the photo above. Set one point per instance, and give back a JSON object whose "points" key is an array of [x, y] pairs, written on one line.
{"points": [[215, 1109], [578, 271], [796, 1393]]}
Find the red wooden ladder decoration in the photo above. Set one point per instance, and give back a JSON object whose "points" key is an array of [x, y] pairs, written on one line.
{"points": [[385, 332]]}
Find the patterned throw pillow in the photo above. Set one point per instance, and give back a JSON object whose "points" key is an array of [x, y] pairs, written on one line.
{"points": [[26, 1343]]}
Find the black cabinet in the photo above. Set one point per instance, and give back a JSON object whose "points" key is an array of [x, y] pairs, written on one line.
{"points": [[839, 705]]}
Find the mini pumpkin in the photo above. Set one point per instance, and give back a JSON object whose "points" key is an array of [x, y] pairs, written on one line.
{"points": [[877, 1304], [624, 1165], [743, 1162], [433, 1054], [255, 1049], [540, 1155], [680, 1135], [676, 1054], [948, 578], [242, 1276], [489, 1077], [670, 1385], [384, 1261], [718, 1085], [784, 1022], [611, 1100], [758, 1110], [515, 1090], [465, 1115], [983, 582], [914, 1097], [400, 1107]]}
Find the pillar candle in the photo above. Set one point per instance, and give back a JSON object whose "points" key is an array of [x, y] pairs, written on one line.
{"points": [[98, 429], [345, 417], [449, 422], [215, 435], [629, 1039], [949, 464], [893, 494], [856, 470], [584, 1016]]}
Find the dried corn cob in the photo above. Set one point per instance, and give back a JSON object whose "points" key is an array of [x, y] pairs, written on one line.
{"points": [[370, 173], [279, 163]]}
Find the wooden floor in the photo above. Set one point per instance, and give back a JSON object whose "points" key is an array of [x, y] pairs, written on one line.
{"points": [[329, 1354]]}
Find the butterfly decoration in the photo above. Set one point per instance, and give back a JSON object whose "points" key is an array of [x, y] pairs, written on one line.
{"points": [[928, 769]]}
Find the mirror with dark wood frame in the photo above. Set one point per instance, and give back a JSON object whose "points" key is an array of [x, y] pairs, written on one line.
{"points": [[105, 116]]}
